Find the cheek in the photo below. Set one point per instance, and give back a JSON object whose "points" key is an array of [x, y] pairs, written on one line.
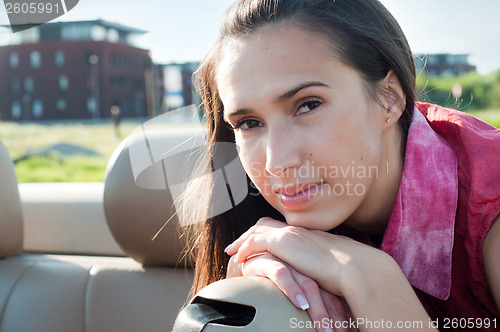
{"points": [[360, 135], [339, 151], [253, 161]]}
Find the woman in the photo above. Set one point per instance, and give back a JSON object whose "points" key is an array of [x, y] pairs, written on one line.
{"points": [[369, 204]]}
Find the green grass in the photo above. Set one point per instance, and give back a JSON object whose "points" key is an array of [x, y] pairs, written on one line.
{"points": [[57, 169], [19, 138], [479, 92], [490, 116]]}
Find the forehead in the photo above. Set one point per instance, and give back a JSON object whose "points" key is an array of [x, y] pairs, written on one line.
{"points": [[272, 56]]}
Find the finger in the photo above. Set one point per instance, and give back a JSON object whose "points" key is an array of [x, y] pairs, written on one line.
{"points": [[249, 248], [262, 223], [317, 310], [339, 318], [262, 240], [234, 269], [268, 266]]}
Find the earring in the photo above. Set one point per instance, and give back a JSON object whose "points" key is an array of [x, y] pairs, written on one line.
{"points": [[387, 161]]}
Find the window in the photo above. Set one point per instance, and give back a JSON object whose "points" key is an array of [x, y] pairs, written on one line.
{"points": [[63, 83], [76, 31], [29, 85], [91, 105], [451, 59], [113, 35], [59, 58], [98, 33], [35, 59], [61, 104], [37, 108], [14, 60], [462, 59], [120, 60], [16, 109], [120, 83], [15, 85], [126, 106], [28, 36]]}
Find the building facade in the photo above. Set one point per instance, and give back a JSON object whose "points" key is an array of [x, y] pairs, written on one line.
{"points": [[443, 64], [76, 70]]}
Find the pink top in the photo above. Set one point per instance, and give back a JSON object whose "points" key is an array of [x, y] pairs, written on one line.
{"points": [[447, 201]]}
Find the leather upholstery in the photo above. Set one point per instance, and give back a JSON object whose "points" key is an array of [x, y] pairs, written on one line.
{"points": [[11, 218], [83, 288], [60, 293], [66, 218], [243, 304], [136, 213]]}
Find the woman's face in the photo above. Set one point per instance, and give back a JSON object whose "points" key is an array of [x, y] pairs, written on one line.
{"points": [[309, 135]]}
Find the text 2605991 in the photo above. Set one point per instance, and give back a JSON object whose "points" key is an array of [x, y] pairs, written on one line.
{"points": [[464, 323], [33, 8]]}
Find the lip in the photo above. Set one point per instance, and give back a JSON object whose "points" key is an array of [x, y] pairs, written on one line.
{"points": [[298, 195]]}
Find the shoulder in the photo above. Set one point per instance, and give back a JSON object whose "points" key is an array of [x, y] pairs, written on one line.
{"points": [[477, 147], [491, 252], [452, 124]]}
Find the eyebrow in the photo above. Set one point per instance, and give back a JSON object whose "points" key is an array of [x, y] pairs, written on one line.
{"points": [[289, 94], [284, 97]]}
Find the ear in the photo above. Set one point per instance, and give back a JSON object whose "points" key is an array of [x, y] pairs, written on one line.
{"points": [[394, 98]]}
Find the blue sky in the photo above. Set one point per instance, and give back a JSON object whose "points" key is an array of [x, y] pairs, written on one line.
{"points": [[185, 30]]}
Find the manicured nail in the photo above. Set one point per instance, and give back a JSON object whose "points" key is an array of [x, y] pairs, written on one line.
{"points": [[301, 300], [329, 329], [228, 248]]}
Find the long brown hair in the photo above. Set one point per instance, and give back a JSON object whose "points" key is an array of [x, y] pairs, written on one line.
{"points": [[363, 35]]}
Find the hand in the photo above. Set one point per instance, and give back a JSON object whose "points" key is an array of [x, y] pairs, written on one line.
{"points": [[324, 257], [323, 307], [370, 280]]}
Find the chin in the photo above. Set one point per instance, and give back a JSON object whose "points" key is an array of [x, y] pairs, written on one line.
{"points": [[311, 220]]}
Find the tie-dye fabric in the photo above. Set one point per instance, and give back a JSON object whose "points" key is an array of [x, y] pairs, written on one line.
{"points": [[448, 199], [419, 235]]}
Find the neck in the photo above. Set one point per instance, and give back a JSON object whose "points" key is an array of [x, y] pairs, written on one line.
{"points": [[375, 211]]}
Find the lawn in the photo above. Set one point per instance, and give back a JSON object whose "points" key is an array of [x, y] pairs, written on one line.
{"points": [[21, 139], [101, 138], [490, 116]]}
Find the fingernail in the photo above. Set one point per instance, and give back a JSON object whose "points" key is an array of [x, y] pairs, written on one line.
{"points": [[329, 329], [301, 300], [228, 248]]}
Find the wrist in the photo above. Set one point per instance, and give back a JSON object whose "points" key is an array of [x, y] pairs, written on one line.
{"points": [[377, 290], [363, 277]]}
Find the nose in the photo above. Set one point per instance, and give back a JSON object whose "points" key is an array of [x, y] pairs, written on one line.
{"points": [[282, 150]]}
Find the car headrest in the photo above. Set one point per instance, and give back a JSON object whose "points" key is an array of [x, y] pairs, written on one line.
{"points": [[242, 304], [11, 216], [138, 202]]}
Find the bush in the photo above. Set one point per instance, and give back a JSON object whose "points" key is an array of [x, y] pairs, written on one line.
{"points": [[479, 92]]}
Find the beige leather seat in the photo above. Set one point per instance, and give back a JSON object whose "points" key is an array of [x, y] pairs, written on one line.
{"points": [[76, 288], [243, 304]]}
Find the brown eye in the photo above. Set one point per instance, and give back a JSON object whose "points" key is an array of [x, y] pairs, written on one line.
{"points": [[248, 124], [308, 106]]}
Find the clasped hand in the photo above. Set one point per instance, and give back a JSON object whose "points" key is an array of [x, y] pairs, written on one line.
{"points": [[310, 267]]}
